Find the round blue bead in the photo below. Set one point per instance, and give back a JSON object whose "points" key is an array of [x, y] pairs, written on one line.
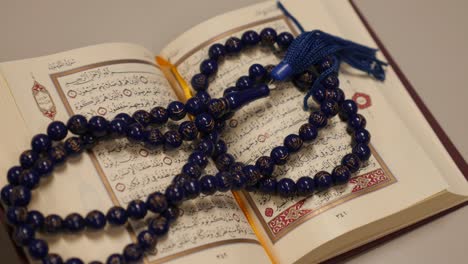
{"points": [[29, 179], [22, 235], [357, 122], [209, 67], [118, 127], [146, 240], [318, 93], [293, 142], [142, 117], [257, 72], [324, 64], [286, 187], [175, 194], [338, 95], [323, 180], [220, 148], [88, 141], [205, 123], [74, 223], [20, 195], [57, 130], [362, 136], [192, 170], [362, 151], [132, 253], [180, 179], [136, 209], [199, 158], [156, 202], [5, 193], [13, 175], [28, 158], [348, 108], [284, 39], [74, 261], [223, 181], [203, 96], [77, 124], [341, 174], [115, 259], [44, 167], [250, 38], [268, 36], [252, 174], [98, 126], [199, 82], [188, 130], [136, 132], [208, 184], [172, 139], [95, 220], [318, 119], [58, 154], [73, 146], [329, 108], [206, 146], [304, 80], [195, 106], [153, 138], [217, 108], [265, 165], [308, 132], [16, 215], [217, 52], [351, 161], [305, 186], [117, 216], [267, 185], [244, 83], [191, 189], [35, 219], [224, 161], [237, 167], [176, 110], [238, 180], [53, 224], [160, 115], [159, 226], [125, 117], [171, 213], [38, 248], [213, 136], [331, 81], [52, 259], [40, 143], [233, 45], [279, 155]]}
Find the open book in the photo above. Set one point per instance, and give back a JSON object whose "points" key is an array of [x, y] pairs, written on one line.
{"points": [[409, 177]]}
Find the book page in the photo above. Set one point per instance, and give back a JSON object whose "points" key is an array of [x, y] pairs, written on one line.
{"points": [[293, 227], [106, 80]]}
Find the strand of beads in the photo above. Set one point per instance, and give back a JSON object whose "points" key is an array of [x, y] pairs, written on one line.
{"points": [[331, 101], [210, 116]]}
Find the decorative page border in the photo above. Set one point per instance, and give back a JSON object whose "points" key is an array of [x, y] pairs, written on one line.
{"points": [[55, 79], [295, 215]]}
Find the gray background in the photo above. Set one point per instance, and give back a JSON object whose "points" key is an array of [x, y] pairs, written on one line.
{"points": [[428, 40]]}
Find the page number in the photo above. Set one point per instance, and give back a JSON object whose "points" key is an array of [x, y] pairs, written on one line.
{"points": [[223, 255], [341, 215]]}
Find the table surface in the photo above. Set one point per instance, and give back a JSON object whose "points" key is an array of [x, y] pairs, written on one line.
{"points": [[426, 38]]}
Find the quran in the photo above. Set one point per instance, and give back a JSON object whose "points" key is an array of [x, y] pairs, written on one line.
{"points": [[409, 177]]}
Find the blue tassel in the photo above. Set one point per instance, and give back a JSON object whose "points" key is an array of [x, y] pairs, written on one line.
{"points": [[309, 48]]}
